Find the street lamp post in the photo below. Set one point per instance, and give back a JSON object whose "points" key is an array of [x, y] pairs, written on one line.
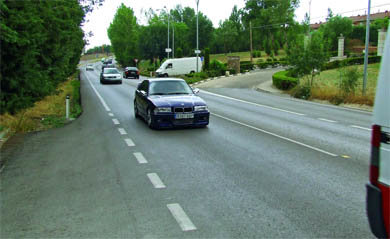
{"points": [[366, 48], [168, 32], [197, 36]]}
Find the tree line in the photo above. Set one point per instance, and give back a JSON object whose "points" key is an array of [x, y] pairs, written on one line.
{"points": [[272, 23], [41, 44]]}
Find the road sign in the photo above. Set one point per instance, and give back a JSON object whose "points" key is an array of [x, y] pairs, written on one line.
{"points": [[168, 50], [197, 51]]}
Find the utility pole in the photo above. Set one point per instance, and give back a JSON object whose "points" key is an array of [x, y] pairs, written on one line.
{"points": [[250, 37], [168, 33], [366, 48], [173, 40], [197, 36]]}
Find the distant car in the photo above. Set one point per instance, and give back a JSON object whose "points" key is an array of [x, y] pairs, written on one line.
{"points": [[89, 67], [108, 61], [107, 66], [110, 75], [378, 187], [131, 72], [169, 102]]}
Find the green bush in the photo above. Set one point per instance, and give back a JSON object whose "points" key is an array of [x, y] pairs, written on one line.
{"points": [[301, 92], [232, 71], [349, 80], [217, 68], [256, 54], [246, 65], [351, 61], [282, 80]]}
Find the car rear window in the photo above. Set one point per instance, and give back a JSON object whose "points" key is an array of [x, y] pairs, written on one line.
{"points": [[111, 71]]}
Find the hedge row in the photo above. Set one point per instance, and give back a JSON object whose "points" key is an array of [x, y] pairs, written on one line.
{"points": [[351, 61], [282, 80]]}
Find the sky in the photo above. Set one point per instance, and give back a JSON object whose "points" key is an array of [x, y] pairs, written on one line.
{"points": [[218, 10]]}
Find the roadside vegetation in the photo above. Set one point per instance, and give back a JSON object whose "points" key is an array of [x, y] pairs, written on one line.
{"points": [[48, 112]]}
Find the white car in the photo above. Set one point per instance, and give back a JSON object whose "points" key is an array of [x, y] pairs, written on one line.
{"points": [[89, 67], [378, 188], [110, 75]]}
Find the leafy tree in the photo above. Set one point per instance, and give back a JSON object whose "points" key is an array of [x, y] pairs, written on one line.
{"points": [[269, 17], [179, 52], [206, 58], [333, 28], [123, 34], [41, 43], [309, 59]]}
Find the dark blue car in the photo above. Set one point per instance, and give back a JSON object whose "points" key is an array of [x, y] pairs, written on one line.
{"points": [[169, 102]]}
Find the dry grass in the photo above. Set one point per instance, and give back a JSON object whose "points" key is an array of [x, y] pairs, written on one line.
{"points": [[93, 57], [326, 87], [45, 114]]}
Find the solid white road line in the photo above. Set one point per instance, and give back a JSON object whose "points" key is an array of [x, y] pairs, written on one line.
{"points": [[122, 131], [140, 158], [278, 136], [359, 127], [111, 114], [155, 180], [129, 142], [326, 120], [181, 217], [115, 121], [98, 95], [251, 103]]}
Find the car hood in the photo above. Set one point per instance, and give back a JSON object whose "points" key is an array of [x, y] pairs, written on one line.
{"points": [[176, 100]]}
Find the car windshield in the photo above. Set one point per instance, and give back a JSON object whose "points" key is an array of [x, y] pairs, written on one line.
{"points": [[111, 71], [169, 88], [132, 68]]}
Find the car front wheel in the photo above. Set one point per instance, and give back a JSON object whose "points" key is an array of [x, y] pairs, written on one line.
{"points": [[136, 114], [149, 119]]}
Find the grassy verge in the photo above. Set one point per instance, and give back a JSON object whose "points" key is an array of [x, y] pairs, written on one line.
{"points": [[327, 86], [47, 113], [244, 56], [90, 57]]}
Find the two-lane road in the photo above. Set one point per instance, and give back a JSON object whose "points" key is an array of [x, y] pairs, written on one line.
{"points": [[266, 166]]}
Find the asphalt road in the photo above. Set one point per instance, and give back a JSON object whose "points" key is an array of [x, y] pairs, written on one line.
{"points": [[266, 166]]}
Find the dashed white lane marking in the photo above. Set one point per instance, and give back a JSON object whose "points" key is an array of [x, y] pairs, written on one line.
{"points": [[181, 217], [122, 131], [155, 180], [278, 136], [359, 127], [115, 121], [111, 114], [251, 103], [140, 158], [326, 120], [98, 95], [129, 142]]}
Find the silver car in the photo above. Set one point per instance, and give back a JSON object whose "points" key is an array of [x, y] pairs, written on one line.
{"points": [[110, 75], [89, 67]]}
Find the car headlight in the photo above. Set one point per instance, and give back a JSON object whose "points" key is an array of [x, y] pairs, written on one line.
{"points": [[163, 110], [201, 108]]}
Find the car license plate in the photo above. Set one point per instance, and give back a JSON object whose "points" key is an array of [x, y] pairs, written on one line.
{"points": [[184, 116]]}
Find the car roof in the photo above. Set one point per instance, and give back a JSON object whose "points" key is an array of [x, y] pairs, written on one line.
{"points": [[164, 79], [131, 67]]}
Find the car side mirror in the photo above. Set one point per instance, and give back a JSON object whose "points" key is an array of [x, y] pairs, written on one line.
{"points": [[143, 93], [196, 91]]}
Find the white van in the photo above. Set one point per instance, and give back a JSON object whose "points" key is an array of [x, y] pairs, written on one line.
{"points": [[179, 66], [378, 188]]}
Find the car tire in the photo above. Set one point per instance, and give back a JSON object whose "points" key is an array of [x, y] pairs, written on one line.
{"points": [[149, 119], [166, 75], [136, 114], [192, 72], [120, 82], [101, 82]]}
